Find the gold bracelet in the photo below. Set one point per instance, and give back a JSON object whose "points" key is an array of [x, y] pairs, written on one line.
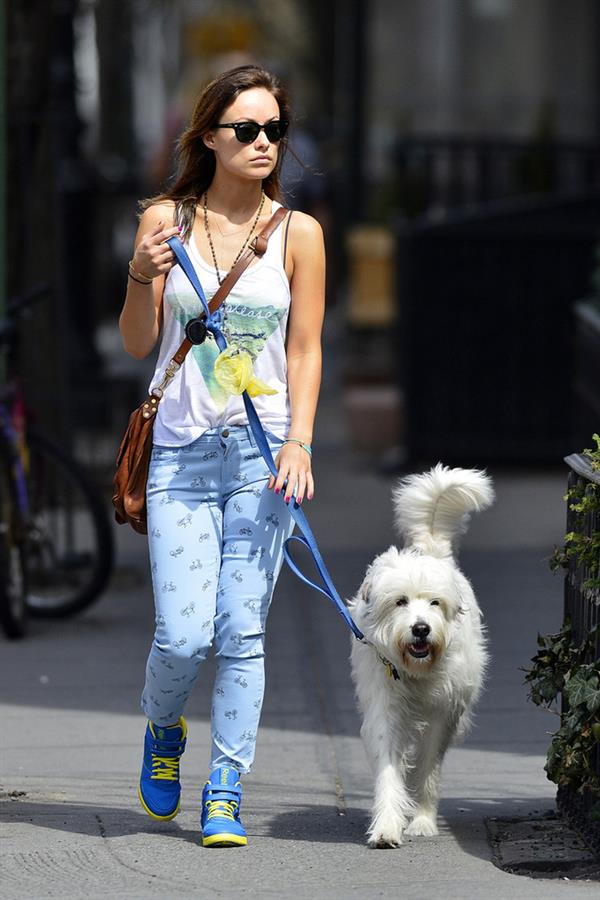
{"points": [[137, 280], [133, 272]]}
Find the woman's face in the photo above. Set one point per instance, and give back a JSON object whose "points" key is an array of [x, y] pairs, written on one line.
{"points": [[257, 159]]}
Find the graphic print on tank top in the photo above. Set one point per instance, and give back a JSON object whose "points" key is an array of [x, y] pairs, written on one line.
{"points": [[248, 325]]}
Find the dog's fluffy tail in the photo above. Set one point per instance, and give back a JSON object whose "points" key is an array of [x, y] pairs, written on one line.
{"points": [[434, 508]]}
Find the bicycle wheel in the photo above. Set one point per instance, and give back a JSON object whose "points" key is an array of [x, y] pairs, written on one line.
{"points": [[69, 541], [13, 606]]}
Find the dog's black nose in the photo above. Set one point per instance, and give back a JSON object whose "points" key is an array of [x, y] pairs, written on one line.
{"points": [[420, 630]]}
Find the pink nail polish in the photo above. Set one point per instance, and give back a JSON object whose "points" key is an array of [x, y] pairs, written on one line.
{"points": [[276, 490], [180, 228], [299, 500]]}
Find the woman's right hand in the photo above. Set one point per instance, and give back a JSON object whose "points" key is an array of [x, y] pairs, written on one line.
{"points": [[141, 317], [153, 256]]}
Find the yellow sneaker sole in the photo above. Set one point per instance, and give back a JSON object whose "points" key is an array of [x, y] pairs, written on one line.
{"points": [[224, 840], [153, 815]]}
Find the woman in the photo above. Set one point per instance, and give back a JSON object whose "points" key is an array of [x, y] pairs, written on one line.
{"points": [[216, 520]]}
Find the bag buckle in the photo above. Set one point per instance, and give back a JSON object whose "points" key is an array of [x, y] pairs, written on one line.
{"points": [[170, 372]]}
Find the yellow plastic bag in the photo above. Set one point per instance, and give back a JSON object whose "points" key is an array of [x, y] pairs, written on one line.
{"points": [[234, 373]]}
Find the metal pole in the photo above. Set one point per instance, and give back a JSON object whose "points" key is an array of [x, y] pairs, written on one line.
{"points": [[64, 152], [3, 279], [357, 71], [349, 107], [350, 59], [596, 28]]}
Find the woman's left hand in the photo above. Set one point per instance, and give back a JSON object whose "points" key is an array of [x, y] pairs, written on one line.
{"points": [[294, 465]]}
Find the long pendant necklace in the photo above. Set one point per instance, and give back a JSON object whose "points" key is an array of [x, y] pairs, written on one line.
{"points": [[243, 247]]}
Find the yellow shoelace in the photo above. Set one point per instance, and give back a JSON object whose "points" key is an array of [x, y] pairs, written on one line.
{"points": [[221, 808], [165, 768]]}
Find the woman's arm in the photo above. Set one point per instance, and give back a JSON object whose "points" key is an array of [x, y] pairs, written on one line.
{"points": [[307, 254], [141, 317]]}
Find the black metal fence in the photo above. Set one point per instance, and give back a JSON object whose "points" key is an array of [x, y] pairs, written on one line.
{"points": [[582, 607], [486, 329], [447, 172]]}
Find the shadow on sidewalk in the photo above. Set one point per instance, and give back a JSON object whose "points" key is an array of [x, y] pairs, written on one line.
{"points": [[93, 819], [460, 819]]}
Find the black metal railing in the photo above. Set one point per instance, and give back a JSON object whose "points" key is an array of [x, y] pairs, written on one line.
{"points": [[485, 328], [436, 174], [582, 608]]}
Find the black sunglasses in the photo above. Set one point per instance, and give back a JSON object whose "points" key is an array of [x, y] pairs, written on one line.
{"points": [[246, 132]]}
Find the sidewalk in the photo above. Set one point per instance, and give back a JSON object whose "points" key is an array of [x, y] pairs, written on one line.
{"points": [[72, 734]]}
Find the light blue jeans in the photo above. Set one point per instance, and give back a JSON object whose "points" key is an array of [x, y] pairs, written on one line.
{"points": [[216, 539]]}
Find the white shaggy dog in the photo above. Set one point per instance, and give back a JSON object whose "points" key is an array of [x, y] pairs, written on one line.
{"points": [[420, 616]]}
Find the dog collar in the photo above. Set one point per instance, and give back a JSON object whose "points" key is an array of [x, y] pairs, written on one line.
{"points": [[390, 668]]}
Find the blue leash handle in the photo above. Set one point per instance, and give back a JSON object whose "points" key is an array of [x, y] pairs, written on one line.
{"points": [[307, 538]]}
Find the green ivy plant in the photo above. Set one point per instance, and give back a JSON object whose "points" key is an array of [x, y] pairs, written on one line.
{"points": [[560, 668], [583, 500]]}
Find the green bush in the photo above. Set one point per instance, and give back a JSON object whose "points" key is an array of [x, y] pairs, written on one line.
{"points": [[560, 668]]}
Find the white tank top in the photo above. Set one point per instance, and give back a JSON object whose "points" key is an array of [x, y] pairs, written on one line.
{"points": [[255, 315]]}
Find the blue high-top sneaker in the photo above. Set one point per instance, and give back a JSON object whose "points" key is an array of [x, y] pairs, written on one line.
{"points": [[220, 820], [159, 790]]}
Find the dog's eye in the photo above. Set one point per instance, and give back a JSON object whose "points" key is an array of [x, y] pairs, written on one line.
{"points": [[402, 601], [435, 603]]}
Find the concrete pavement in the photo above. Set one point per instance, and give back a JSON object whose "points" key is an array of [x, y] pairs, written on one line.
{"points": [[71, 733]]}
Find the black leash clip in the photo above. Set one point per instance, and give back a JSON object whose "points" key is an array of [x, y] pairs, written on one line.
{"points": [[196, 330]]}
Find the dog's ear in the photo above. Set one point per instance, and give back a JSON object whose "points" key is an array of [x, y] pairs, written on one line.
{"points": [[461, 605], [365, 588]]}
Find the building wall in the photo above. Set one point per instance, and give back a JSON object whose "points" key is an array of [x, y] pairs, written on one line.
{"points": [[481, 67]]}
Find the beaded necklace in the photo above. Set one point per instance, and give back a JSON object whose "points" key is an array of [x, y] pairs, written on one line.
{"points": [[244, 245]]}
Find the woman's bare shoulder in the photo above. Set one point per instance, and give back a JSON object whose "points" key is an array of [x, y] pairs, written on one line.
{"points": [[305, 239], [304, 227], [306, 246], [161, 210]]}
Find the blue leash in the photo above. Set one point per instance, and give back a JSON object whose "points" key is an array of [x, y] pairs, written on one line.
{"points": [[307, 539]]}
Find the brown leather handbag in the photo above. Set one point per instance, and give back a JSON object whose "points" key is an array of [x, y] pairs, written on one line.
{"points": [[133, 458]]}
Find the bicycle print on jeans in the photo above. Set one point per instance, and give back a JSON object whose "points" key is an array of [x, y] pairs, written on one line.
{"points": [[216, 548]]}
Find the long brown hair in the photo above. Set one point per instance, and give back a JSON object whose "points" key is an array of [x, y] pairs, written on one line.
{"points": [[196, 161]]}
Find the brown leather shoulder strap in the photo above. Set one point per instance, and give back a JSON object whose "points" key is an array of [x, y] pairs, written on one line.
{"points": [[258, 247]]}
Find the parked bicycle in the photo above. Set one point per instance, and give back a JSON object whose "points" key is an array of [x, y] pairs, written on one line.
{"points": [[56, 547]]}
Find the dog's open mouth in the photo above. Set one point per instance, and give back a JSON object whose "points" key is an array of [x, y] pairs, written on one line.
{"points": [[419, 649]]}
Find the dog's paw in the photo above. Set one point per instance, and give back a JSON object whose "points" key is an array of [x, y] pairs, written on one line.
{"points": [[382, 841], [422, 826], [386, 832]]}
